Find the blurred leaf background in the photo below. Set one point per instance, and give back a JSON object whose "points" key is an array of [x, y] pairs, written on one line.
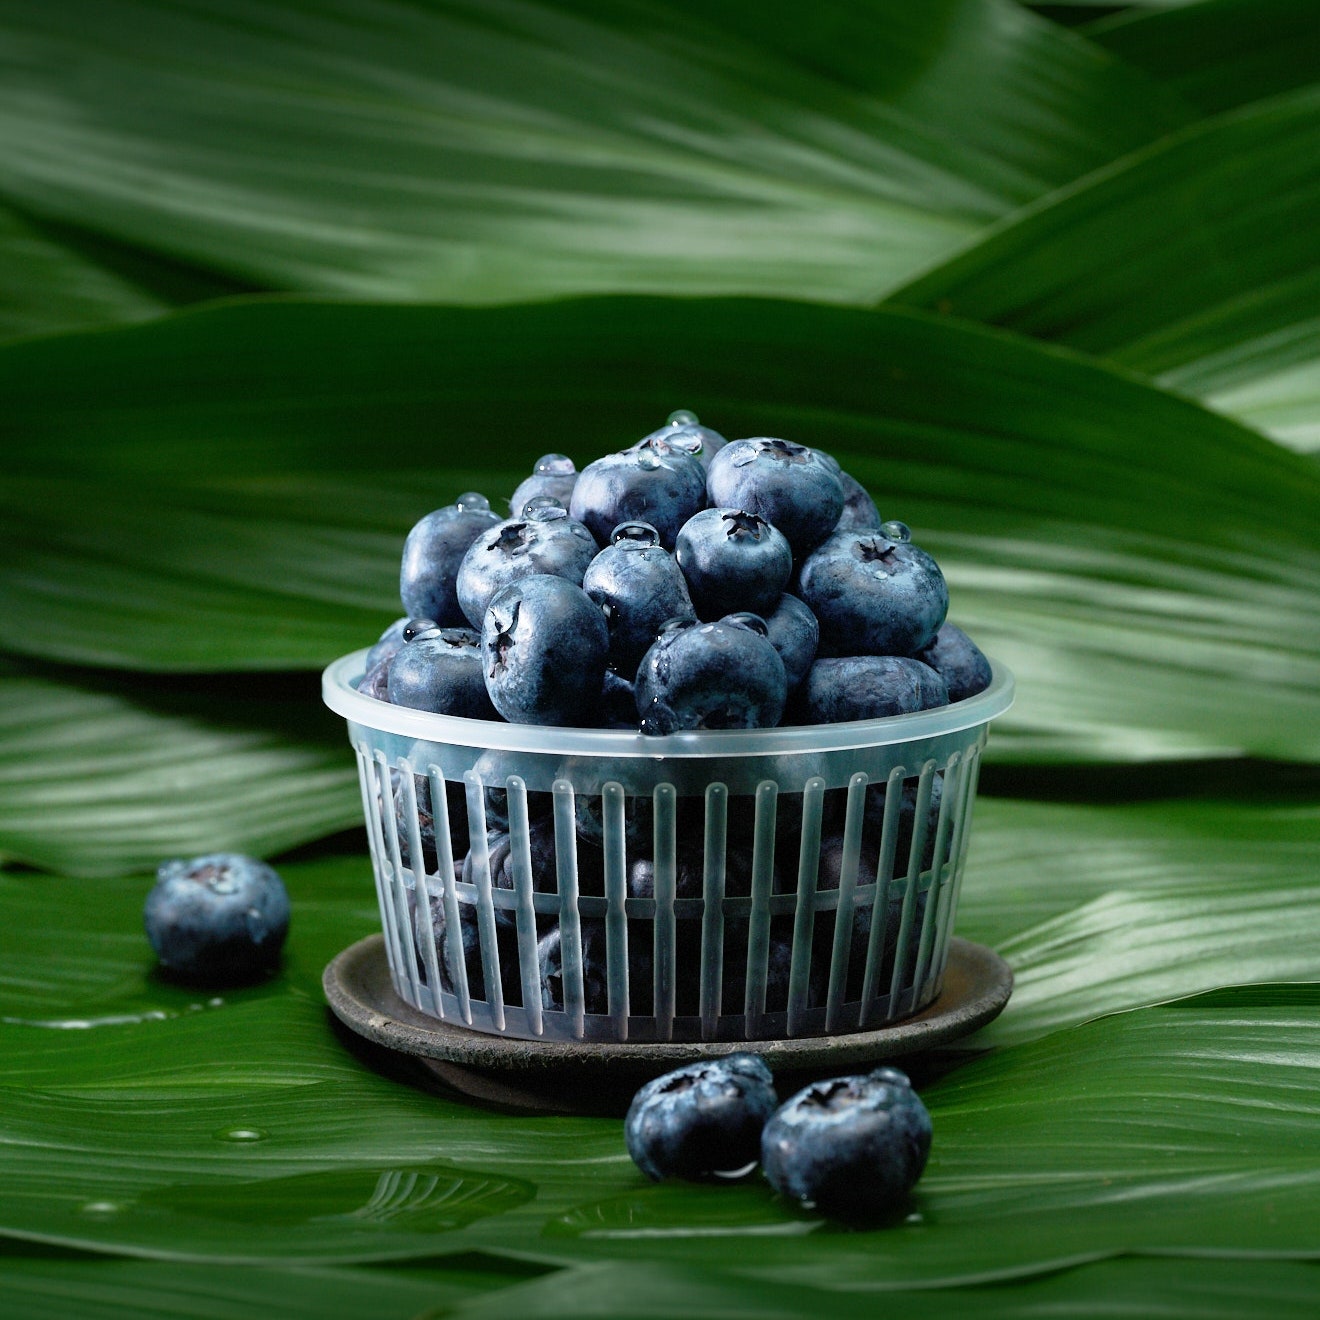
{"points": [[277, 278]]}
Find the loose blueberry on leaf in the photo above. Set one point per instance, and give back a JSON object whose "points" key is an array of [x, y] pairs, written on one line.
{"points": [[553, 475], [701, 1121], [639, 586], [733, 560], [853, 1147], [873, 594], [544, 643], [958, 661], [518, 548], [866, 687], [788, 485], [652, 483], [219, 919], [432, 553], [721, 675], [441, 671]]}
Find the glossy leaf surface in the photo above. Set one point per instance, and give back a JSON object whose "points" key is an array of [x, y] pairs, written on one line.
{"points": [[1192, 261], [250, 472], [97, 778], [453, 152]]}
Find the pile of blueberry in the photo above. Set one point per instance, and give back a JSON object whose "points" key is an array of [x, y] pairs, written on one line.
{"points": [[852, 1147], [683, 583]]}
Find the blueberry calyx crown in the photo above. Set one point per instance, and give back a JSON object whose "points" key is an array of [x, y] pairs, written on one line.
{"points": [[742, 523]]}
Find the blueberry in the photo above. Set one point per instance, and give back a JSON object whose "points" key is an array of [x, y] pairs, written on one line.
{"points": [[441, 671], [376, 681], [652, 483], [723, 675], [827, 878], [690, 870], [595, 970], [859, 511], [788, 485], [432, 553], [873, 594], [544, 866], [426, 826], [638, 585], [702, 1120], [547, 541], [958, 661], [733, 560], [867, 687], [448, 951], [544, 644], [494, 769], [554, 475], [683, 431], [874, 815], [618, 703], [795, 634], [390, 642], [217, 919], [853, 1148]]}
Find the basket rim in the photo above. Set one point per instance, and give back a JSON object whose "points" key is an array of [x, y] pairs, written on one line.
{"points": [[339, 692]]}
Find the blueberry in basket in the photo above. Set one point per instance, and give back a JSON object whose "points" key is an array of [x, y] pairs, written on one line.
{"points": [[219, 919]]}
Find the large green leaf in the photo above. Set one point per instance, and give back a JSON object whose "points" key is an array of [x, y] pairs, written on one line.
{"points": [[1219, 53], [1188, 1128], [46, 286], [454, 151], [75, 1289], [1106, 1290], [243, 478], [98, 779], [1193, 261]]}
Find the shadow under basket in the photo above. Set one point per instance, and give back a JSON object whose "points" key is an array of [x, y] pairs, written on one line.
{"points": [[599, 885]]}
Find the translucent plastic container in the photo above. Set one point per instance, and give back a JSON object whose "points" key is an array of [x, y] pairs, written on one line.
{"points": [[715, 885]]}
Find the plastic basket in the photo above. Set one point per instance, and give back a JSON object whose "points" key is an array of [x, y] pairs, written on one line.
{"points": [[702, 886]]}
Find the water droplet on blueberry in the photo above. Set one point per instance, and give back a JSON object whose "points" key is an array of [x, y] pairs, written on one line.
{"points": [[675, 625], [558, 465], [897, 531], [543, 509], [635, 535], [682, 417], [414, 628], [471, 501], [746, 619]]}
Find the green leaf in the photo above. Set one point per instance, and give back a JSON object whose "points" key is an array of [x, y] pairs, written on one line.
{"points": [[1185, 1128], [1206, 1290], [442, 151], [244, 477], [1107, 908], [46, 286], [1218, 54], [164, 1290], [1192, 261], [98, 779]]}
